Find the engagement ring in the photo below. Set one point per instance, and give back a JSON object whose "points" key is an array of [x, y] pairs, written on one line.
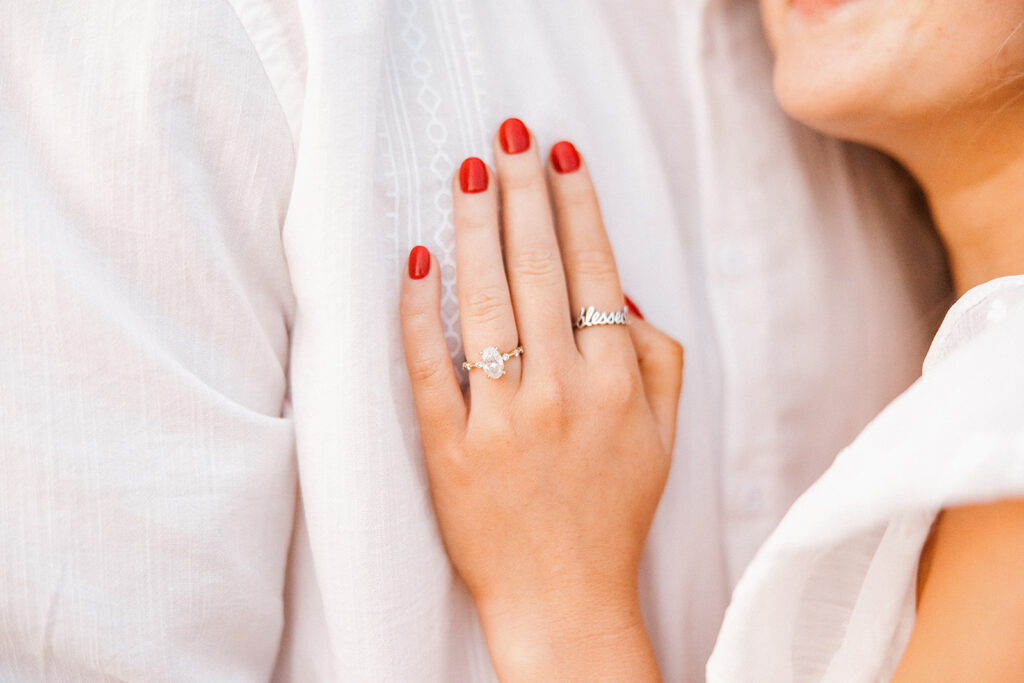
{"points": [[492, 361]]}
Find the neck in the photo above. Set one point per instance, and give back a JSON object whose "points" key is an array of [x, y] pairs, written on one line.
{"points": [[972, 171]]}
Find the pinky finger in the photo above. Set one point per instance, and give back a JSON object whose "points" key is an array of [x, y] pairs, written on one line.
{"points": [[440, 408], [661, 370]]}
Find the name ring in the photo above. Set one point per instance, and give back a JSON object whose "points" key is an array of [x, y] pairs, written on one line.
{"points": [[590, 317]]}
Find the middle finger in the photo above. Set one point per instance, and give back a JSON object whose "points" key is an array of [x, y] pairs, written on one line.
{"points": [[535, 273]]}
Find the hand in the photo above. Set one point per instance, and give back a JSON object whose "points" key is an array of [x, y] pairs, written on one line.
{"points": [[546, 485]]}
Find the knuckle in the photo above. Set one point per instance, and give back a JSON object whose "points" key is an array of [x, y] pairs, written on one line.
{"points": [[678, 352], [487, 305], [475, 220], [451, 466], [523, 180], [548, 400], [414, 314], [539, 263], [594, 262], [494, 432], [618, 386], [426, 370], [674, 352], [577, 199]]}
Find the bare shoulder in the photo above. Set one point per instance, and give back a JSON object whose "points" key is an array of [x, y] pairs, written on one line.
{"points": [[970, 612]]}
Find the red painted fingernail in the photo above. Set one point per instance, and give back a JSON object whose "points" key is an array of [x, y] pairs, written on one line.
{"points": [[564, 157], [633, 310], [419, 263], [513, 136], [473, 176]]}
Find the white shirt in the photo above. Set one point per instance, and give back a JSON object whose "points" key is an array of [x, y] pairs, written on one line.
{"points": [[210, 464], [831, 595]]}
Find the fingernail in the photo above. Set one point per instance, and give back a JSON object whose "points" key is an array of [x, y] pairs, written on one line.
{"points": [[419, 263], [514, 136], [564, 157], [473, 176], [633, 310]]}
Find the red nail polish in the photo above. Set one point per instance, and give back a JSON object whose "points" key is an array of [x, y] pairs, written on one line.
{"points": [[419, 263], [473, 176], [564, 157], [514, 136], [633, 310]]}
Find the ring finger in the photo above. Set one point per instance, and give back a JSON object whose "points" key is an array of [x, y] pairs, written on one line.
{"points": [[485, 305], [590, 270]]}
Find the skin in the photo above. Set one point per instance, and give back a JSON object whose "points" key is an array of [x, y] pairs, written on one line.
{"points": [[970, 611], [546, 483], [937, 84]]}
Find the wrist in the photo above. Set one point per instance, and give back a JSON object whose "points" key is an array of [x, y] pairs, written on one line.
{"points": [[598, 632]]}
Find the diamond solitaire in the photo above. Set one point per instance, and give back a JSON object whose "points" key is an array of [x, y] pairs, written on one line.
{"points": [[492, 361]]}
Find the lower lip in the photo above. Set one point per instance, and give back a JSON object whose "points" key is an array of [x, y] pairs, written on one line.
{"points": [[816, 7]]}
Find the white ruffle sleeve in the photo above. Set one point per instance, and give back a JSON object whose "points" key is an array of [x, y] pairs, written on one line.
{"points": [[830, 595]]}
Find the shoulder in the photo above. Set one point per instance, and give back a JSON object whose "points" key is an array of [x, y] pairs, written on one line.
{"points": [[834, 584]]}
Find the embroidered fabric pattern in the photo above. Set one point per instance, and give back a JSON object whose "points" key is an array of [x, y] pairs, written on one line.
{"points": [[436, 57]]}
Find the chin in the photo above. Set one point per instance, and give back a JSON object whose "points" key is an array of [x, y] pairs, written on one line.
{"points": [[843, 106], [841, 65], [872, 70]]}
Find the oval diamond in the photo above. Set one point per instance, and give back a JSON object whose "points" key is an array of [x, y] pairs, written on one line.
{"points": [[492, 362]]}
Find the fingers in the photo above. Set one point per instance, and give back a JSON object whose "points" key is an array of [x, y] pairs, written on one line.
{"points": [[592, 277], [485, 304], [661, 370], [535, 272], [440, 407]]}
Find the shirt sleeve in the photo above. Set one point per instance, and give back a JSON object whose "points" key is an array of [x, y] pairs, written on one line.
{"points": [[831, 595], [147, 483]]}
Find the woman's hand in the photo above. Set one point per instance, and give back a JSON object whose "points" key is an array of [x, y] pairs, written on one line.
{"points": [[546, 485]]}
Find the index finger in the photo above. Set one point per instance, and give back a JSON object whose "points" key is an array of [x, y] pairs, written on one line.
{"points": [[440, 408]]}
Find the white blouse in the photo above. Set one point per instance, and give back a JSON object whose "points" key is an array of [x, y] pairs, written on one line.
{"points": [[831, 595]]}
